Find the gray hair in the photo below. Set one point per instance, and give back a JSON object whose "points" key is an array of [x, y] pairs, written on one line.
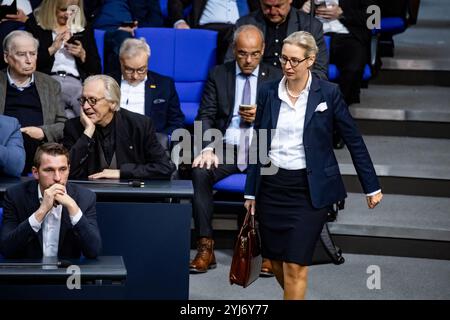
{"points": [[304, 40], [9, 44], [130, 47], [112, 89], [246, 27]]}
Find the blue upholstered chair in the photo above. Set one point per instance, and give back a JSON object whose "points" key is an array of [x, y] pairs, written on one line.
{"points": [[99, 36], [333, 71], [186, 56], [234, 183], [1, 216]]}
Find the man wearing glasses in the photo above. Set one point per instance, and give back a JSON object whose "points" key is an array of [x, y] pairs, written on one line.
{"points": [[229, 105], [107, 142], [146, 92]]}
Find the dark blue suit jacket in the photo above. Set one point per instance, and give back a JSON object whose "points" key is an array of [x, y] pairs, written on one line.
{"points": [[18, 240], [325, 182], [12, 153], [162, 104]]}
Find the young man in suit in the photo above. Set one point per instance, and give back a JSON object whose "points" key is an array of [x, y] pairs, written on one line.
{"points": [[220, 109], [32, 97], [49, 217], [107, 142], [146, 92], [12, 153]]}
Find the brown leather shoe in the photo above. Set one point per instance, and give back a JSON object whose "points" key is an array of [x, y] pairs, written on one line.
{"points": [[205, 258], [266, 268]]}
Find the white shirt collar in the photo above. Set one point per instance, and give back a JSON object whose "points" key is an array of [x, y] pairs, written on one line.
{"points": [[13, 84]]}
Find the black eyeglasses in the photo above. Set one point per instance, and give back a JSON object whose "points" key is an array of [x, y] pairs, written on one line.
{"points": [[141, 70], [293, 61], [91, 101]]}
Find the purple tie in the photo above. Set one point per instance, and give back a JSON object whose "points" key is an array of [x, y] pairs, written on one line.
{"points": [[247, 92]]}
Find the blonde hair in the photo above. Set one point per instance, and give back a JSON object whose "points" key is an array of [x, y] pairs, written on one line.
{"points": [[304, 40], [112, 89], [45, 14]]}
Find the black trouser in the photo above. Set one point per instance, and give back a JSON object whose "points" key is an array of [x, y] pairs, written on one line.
{"points": [[350, 56], [224, 38], [203, 181]]}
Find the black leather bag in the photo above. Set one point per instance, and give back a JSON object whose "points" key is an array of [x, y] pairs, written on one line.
{"points": [[247, 259]]}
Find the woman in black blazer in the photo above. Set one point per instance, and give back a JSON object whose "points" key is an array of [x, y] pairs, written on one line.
{"points": [[302, 179], [67, 48]]}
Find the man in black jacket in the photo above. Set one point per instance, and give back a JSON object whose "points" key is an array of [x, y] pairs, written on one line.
{"points": [[278, 19], [112, 143], [223, 95], [49, 217]]}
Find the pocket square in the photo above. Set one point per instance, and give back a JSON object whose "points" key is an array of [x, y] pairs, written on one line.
{"points": [[156, 101], [321, 107]]}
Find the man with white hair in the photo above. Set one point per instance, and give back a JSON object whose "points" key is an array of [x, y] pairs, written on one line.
{"points": [[107, 142], [32, 97], [147, 92]]}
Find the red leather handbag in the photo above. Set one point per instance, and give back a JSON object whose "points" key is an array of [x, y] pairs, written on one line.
{"points": [[247, 259]]}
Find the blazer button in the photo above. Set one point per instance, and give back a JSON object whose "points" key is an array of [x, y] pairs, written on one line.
{"points": [[308, 171]]}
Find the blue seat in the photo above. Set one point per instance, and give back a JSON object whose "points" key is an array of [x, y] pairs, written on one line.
{"points": [[186, 56], [1, 217], [233, 183], [333, 71], [391, 25], [99, 36], [163, 6]]}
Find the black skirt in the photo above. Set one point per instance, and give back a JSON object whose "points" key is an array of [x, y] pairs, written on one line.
{"points": [[289, 225]]}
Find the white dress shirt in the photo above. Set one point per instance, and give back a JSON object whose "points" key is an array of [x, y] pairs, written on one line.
{"points": [[133, 97], [64, 61], [14, 85], [24, 5], [286, 149], [331, 25], [220, 11], [234, 134], [51, 225]]}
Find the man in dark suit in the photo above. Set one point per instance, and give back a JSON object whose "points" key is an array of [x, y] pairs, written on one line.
{"points": [[146, 92], [217, 15], [107, 142], [48, 216], [12, 153], [278, 19], [220, 109], [32, 97]]}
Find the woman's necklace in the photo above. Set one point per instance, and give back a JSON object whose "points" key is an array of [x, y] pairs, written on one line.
{"points": [[290, 93]]}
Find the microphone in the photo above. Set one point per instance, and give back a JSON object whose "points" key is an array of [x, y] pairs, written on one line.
{"points": [[18, 264], [136, 183]]}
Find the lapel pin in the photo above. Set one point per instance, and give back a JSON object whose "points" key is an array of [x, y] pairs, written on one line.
{"points": [[153, 86]]}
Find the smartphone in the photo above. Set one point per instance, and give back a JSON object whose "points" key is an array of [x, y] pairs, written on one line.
{"points": [[128, 24], [76, 36], [245, 107], [11, 9]]}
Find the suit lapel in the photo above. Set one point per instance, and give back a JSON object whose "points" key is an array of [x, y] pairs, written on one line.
{"points": [[294, 22], [231, 90], [42, 87], [149, 94], [314, 98], [123, 141], [274, 106], [33, 203]]}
